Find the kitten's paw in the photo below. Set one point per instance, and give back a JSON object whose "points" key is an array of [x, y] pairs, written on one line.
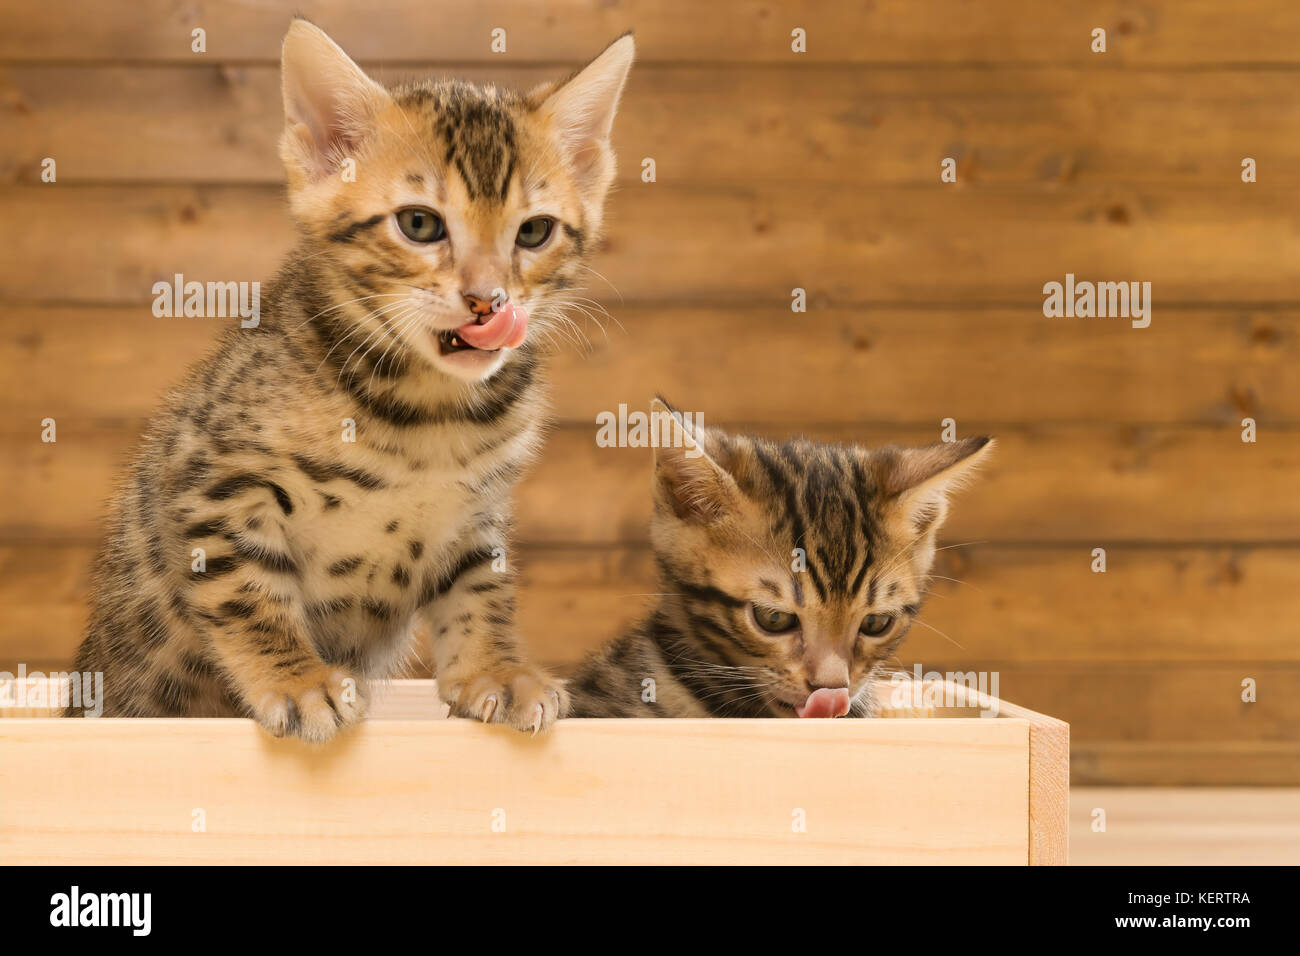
{"points": [[523, 697], [313, 706]]}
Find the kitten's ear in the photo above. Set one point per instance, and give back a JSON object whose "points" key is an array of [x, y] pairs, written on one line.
{"points": [[581, 112], [688, 481], [918, 481], [329, 102]]}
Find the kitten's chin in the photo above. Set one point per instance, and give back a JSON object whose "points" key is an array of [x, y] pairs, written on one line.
{"points": [[471, 365]]}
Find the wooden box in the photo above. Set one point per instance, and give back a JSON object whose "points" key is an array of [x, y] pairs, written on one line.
{"points": [[935, 784]]}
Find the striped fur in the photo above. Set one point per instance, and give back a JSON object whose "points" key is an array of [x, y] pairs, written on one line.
{"points": [[725, 531], [259, 560]]}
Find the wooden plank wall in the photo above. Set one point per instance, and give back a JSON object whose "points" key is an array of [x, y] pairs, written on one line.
{"points": [[775, 171]]}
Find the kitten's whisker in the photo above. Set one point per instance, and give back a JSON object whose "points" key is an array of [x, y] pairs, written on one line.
{"points": [[408, 320], [598, 308], [377, 330], [941, 577], [355, 330], [364, 298], [583, 265], [960, 544], [679, 659], [590, 317], [734, 701], [558, 312], [567, 329], [751, 685], [900, 557], [375, 336], [738, 702], [591, 308], [939, 632], [723, 673]]}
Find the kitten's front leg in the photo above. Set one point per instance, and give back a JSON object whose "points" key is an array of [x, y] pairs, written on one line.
{"points": [[257, 634], [481, 670]]}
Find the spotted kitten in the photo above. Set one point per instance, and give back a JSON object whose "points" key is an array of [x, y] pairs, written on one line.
{"points": [[743, 628], [261, 563]]}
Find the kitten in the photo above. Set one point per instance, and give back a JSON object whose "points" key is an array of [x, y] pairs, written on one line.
{"points": [[344, 468], [789, 573]]}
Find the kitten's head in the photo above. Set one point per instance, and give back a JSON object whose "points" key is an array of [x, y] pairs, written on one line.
{"points": [[440, 206], [797, 565]]}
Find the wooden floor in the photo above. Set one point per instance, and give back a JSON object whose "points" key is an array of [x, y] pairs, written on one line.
{"points": [[1151, 826]]}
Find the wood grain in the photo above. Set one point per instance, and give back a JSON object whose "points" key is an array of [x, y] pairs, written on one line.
{"points": [[1091, 486], [920, 366], [43, 604], [1165, 826], [1049, 771], [587, 792], [1048, 740], [220, 123], [1229, 763], [1183, 703], [1157, 32], [748, 243], [1097, 486]]}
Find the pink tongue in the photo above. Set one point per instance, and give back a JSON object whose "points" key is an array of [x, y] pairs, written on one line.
{"points": [[825, 702], [504, 329]]}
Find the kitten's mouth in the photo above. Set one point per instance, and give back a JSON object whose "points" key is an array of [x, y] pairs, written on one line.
{"points": [[825, 702], [506, 327], [450, 342]]}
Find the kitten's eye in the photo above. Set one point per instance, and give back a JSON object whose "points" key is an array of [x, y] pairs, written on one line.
{"points": [[421, 225], [774, 621], [534, 232], [873, 625]]}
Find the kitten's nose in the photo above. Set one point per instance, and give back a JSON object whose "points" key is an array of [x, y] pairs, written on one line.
{"points": [[830, 671], [477, 304]]}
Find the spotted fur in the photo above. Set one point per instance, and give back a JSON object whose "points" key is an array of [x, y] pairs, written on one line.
{"points": [[262, 561], [829, 533]]}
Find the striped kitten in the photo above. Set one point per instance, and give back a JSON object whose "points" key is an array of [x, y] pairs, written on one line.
{"points": [[343, 470], [789, 573]]}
